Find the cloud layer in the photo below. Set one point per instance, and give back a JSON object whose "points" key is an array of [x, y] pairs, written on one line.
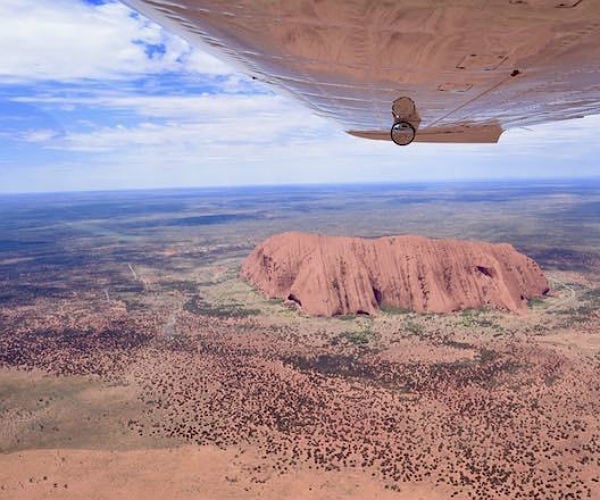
{"points": [[66, 40]]}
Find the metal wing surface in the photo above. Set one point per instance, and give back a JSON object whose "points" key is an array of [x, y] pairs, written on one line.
{"points": [[472, 68]]}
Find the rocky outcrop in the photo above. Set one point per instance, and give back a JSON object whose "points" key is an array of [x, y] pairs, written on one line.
{"points": [[331, 275]]}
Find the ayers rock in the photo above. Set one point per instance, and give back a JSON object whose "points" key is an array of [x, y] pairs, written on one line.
{"points": [[333, 275]]}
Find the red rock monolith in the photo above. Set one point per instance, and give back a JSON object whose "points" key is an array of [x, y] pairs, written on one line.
{"points": [[334, 275]]}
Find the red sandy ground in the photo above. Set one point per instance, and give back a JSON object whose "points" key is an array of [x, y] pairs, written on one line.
{"points": [[186, 473], [280, 407]]}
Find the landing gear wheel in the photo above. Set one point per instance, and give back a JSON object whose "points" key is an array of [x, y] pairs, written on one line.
{"points": [[403, 133]]}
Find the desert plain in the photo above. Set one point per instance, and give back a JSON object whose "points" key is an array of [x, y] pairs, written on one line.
{"points": [[135, 362]]}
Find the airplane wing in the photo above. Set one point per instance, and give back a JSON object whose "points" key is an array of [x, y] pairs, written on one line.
{"points": [[468, 69]]}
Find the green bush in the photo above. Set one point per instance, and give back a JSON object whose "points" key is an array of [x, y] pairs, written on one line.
{"points": [[394, 310], [359, 338], [415, 328], [200, 308], [535, 302]]}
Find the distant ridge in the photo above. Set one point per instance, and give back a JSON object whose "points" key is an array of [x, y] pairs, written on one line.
{"points": [[334, 275]]}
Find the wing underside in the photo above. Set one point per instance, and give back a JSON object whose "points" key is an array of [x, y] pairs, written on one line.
{"points": [[472, 67]]}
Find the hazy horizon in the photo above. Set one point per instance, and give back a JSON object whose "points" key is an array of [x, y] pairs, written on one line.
{"points": [[309, 185]]}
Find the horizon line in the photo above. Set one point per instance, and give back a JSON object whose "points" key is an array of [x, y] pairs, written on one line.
{"points": [[224, 187]]}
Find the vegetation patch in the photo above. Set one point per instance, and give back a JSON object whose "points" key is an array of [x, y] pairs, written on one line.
{"points": [[181, 286], [457, 345], [593, 294], [414, 327], [233, 310], [535, 302], [132, 305], [581, 314], [488, 355], [346, 317], [177, 342], [361, 337], [395, 310], [473, 317]]}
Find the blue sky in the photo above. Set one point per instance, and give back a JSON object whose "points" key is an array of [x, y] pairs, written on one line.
{"points": [[94, 96]]}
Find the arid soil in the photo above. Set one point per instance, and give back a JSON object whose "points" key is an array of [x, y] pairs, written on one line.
{"points": [[330, 276], [184, 473], [267, 403]]}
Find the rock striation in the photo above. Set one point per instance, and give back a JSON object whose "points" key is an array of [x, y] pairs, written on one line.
{"points": [[334, 275]]}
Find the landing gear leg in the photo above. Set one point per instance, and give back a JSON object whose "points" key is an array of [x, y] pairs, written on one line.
{"points": [[406, 121]]}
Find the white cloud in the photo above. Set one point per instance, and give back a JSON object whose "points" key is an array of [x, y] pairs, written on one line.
{"points": [[186, 122], [187, 107], [42, 135], [69, 40], [266, 131]]}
